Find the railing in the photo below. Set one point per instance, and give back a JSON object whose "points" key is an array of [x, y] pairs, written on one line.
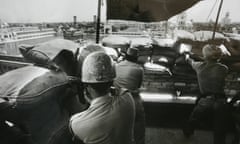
{"points": [[8, 63], [36, 35], [34, 31], [25, 34]]}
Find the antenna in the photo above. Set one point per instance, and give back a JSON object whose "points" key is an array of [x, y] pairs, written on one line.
{"points": [[216, 23]]}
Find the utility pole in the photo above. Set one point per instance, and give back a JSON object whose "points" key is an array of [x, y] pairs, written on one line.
{"points": [[216, 22], [98, 21]]}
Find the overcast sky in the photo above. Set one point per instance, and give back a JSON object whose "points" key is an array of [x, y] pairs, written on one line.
{"points": [[64, 10]]}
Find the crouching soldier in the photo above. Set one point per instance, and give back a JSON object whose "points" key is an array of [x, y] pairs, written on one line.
{"points": [[110, 118], [212, 103]]}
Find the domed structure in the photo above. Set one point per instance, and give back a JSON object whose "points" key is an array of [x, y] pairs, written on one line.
{"points": [[3, 24]]}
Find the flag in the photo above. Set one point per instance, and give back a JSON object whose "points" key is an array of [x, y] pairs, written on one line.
{"points": [[146, 10]]}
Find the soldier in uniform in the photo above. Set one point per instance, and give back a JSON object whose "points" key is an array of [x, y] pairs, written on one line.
{"points": [[110, 118], [129, 76], [212, 103]]}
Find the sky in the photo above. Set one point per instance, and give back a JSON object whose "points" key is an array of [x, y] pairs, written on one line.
{"points": [[201, 10], [64, 10]]}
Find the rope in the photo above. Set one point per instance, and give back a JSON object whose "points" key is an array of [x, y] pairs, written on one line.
{"points": [[214, 5]]}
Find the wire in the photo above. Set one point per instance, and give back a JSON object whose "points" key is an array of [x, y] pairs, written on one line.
{"points": [[212, 9], [102, 3]]}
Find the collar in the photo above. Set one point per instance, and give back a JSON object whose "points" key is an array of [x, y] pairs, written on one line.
{"points": [[100, 100], [126, 62]]}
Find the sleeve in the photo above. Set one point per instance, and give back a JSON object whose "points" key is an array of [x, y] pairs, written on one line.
{"points": [[74, 138], [224, 69], [195, 65]]}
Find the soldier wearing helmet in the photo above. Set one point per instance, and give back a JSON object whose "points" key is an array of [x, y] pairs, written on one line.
{"points": [[84, 52], [110, 118], [211, 79], [129, 76]]}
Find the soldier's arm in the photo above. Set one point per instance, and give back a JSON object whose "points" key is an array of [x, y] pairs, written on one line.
{"points": [[192, 62]]}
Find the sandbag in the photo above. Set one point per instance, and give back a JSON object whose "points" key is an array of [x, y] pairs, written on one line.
{"points": [[111, 52], [167, 42], [235, 67], [143, 59], [116, 42], [205, 36], [185, 71], [44, 54], [234, 46], [141, 43], [164, 50], [183, 35], [31, 85]]}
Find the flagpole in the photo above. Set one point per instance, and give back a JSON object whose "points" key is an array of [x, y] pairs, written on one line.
{"points": [[216, 23], [98, 21]]}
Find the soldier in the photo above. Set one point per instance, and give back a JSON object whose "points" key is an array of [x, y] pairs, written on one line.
{"points": [[211, 79], [129, 76], [110, 118]]}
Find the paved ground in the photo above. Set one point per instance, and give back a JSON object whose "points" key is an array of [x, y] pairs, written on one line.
{"points": [[165, 121], [175, 136]]}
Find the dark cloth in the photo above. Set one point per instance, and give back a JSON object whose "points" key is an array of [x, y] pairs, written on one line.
{"points": [[11, 134], [5, 108]]}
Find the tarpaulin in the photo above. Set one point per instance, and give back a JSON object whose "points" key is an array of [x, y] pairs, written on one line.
{"points": [[146, 10], [31, 85]]}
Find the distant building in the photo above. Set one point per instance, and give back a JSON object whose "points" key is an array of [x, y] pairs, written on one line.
{"points": [[181, 20], [234, 30], [3, 24], [226, 20], [94, 18], [75, 21], [183, 23]]}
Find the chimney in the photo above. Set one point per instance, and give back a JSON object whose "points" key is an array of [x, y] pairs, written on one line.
{"points": [[75, 21], [94, 18]]}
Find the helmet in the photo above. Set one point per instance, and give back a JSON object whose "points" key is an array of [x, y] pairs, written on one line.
{"points": [[89, 49], [98, 68], [211, 52], [84, 52]]}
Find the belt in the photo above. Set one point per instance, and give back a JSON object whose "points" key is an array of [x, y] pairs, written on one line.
{"points": [[214, 96]]}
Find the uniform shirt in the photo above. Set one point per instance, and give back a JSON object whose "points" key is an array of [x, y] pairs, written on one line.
{"points": [[211, 76], [128, 75], [108, 120]]}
